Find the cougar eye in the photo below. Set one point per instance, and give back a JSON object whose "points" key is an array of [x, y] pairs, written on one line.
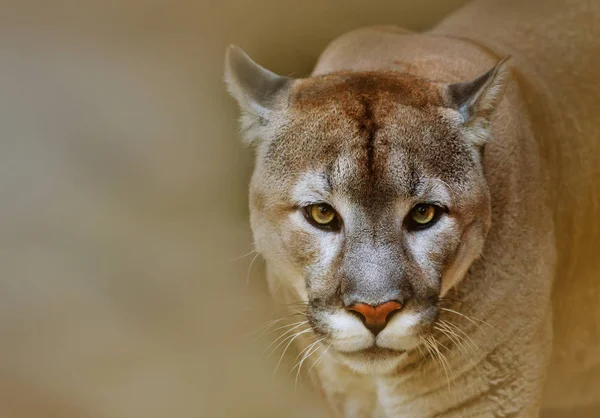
{"points": [[424, 215], [322, 216]]}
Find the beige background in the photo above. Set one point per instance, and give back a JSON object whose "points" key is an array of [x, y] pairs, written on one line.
{"points": [[123, 191]]}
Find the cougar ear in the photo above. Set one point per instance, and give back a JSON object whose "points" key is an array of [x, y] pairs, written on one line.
{"points": [[478, 99], [257, 90]]}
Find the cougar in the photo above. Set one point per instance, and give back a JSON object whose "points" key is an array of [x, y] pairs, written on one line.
{"points": [[429, 204]]}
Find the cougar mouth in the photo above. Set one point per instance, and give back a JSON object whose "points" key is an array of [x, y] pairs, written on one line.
{"points": [[373, 360], [374, 352]]}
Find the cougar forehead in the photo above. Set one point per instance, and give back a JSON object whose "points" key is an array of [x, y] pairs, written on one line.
{"points": [[375, 130], [345, 87]]}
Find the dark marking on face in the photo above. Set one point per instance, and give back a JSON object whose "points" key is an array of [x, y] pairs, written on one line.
{"points": [[381, 87], [301, 248], [369, 128], [257, 200]]}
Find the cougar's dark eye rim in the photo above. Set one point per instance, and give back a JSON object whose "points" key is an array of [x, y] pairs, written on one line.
{"points": [[322, 216], [423, 216]]}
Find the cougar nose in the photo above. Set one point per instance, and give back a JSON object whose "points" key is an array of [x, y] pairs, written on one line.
{"points": [[375, 317]]}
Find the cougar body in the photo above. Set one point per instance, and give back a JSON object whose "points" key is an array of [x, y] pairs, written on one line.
{"points": [[499, 295]]}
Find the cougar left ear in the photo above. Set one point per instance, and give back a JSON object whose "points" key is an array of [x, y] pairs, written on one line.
{"points": [[477, 100], [256, 89]]}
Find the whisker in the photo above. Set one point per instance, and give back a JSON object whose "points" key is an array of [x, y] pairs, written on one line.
{"points": [[451, 334], [289, 325], [420, 351], [453, 328], [472, 320], [304, 350], [288, 346], [281, 336], [443, 360], [263, 328], [297, 312], [446, 334], [449, 299], [465, 337], [296, 305], [291, 336], [320, 357], [439, 343], [314, 348], [428, 348], [245, 255], [435, 356], [250, 269]]}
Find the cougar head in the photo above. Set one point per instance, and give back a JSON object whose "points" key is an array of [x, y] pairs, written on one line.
{"points": [[368, 197]]}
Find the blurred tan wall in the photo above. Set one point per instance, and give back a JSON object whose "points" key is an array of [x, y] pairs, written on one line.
{"points": [[123, 193]]}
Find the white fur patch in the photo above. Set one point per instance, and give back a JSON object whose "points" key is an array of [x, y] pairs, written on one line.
{"points": [[399, 334], [425, 243], [312, 187], [436, 191], [348, 332]]}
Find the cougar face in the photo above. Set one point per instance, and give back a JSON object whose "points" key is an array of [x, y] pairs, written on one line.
{"points": [[368, 198]]}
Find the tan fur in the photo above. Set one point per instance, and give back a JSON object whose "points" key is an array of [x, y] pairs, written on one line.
{"points": [[537, 284]]}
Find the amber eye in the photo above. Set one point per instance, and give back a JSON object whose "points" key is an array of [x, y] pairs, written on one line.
{"points": [[322, 215], [424, 215]]}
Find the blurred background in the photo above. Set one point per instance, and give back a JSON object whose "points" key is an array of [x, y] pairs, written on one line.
{"points": [[123, 215]]}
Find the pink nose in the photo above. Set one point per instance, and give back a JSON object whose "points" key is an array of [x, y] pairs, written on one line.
{"points": [[375, 317]]}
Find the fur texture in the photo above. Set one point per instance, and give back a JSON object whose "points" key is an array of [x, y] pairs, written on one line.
{"points": [[390, 120]]}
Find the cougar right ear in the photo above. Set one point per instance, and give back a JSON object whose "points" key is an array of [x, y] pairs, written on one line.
{"points": [[478, 99], [257, 90]]}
